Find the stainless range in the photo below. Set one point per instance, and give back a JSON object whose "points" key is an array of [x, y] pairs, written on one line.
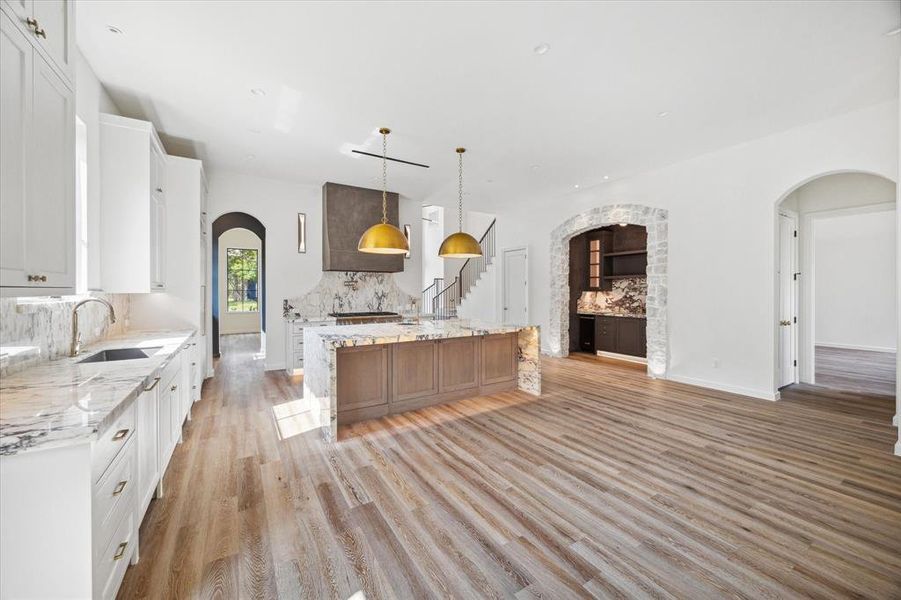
{"points": [[358, 318]]}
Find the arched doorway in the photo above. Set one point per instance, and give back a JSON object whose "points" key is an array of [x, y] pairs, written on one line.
{"points": [[655, 220], [832, 307], [226, 222]]}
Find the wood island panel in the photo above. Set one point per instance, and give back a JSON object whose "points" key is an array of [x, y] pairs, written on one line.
{"points": [[378, 380], [415, 370]]}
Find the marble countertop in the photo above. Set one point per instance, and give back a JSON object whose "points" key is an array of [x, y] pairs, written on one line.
{"points": [[342, 336], [62, 403], [612, 314]]}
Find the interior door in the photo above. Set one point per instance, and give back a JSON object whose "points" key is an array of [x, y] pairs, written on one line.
{"points": [[516, 286], [787, 322]]}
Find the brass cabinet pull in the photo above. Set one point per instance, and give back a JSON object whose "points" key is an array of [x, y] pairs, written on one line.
{"points": [[120, 552], [173, 388], [32, 23], [120, 434], [119, 487], [159, 190], [40, 33], [156, 380], [37, 278]]}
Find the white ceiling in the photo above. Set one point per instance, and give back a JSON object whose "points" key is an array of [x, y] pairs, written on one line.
{"points": [[444, 74]]}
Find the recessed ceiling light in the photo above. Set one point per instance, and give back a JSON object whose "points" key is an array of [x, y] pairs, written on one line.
{"points": [[541, 49], [250, 157], [258, 91], [894, 31], [576, 185], [663, 113], [623, 224], [606, 177], [114, 29], [536, 167]]}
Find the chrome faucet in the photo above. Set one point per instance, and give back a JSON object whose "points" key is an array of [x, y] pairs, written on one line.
{"points": [[76, 336]]}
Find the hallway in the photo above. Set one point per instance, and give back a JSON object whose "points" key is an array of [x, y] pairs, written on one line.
{"points": [[856, 370], [610, 484]]}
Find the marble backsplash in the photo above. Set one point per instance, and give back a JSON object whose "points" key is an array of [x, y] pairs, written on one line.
{"points": [[628, 297], [33, 330], [347, 291]]}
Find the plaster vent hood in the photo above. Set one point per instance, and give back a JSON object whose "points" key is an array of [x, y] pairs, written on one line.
{"points": [[347, 212]]}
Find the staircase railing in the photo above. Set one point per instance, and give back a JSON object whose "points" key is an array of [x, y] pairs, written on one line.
{"points": [[446, 302], [429, 294]]}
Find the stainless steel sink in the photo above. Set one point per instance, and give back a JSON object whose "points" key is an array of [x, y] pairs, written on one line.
{"points": [[120, 354]]}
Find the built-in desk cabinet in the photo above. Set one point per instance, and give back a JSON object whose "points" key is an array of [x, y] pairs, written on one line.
{"points": [[621, 335]]}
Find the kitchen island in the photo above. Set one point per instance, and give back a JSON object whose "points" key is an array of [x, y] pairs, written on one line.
{"points": [[358, 372]]}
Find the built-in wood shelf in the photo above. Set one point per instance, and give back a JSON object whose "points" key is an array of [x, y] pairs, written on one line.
{"points": [[626, 252], [630, 276]]}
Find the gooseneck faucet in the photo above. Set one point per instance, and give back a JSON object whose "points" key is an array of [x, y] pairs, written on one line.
{"points": [[76, 336]]}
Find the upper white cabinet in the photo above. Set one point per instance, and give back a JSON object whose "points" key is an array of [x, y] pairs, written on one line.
{"points": [[50, 27], [37, 170], [133, 206]]}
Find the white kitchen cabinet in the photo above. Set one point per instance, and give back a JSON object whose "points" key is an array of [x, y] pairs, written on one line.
{"points": [[294, 343], [133, 206], [49, 25], [37, 171], [148, 450]]}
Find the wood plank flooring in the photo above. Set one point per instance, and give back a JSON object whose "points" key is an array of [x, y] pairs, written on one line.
{"points": [[856, 370], [611, 485]]}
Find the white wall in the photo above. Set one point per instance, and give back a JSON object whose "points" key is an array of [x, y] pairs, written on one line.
{"points": [[432, 236], [91, 99], [855, 281], [237, 322], [722, 218], [289, 274]]}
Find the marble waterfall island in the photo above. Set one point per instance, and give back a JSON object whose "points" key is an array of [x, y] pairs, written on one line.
{"points": [[358, 372]]}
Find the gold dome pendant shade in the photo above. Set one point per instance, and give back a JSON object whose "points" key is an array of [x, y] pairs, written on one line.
{"points": [[384, 238], [460, 244]]}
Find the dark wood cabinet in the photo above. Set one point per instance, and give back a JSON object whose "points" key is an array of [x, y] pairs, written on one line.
{"points": [[621, 335], [586, 333]]}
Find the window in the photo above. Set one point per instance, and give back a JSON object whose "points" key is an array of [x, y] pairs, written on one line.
{"points": [[242, 291]]}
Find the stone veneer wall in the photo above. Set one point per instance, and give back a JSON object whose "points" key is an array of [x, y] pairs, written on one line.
{"points": [[33, 330], [349, 291], [655, 220]]}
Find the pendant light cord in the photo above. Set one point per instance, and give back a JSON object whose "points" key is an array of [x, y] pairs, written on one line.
{"points": [[460, 200], [384, 177]]}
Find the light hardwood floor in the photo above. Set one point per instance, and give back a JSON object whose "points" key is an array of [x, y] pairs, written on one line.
{"points": [[609, 485], [856, 370]]}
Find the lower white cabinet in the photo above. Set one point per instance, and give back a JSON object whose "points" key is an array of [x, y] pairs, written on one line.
{"points": [[294, 343], [148, 449], [70, 516]]}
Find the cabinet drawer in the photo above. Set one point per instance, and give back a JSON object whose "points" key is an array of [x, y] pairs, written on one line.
{"points": [[114, 494], [109, 568], [298, 343], [111, 442]]}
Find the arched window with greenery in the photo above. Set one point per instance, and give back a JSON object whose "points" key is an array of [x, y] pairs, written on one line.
{"points": [[242, 279]]}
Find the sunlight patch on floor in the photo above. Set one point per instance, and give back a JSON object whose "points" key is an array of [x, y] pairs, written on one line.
{"points": [[294, 418]]}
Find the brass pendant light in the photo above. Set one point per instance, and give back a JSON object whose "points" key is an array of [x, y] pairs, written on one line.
{"points": [[384, 238], [460, 244]]}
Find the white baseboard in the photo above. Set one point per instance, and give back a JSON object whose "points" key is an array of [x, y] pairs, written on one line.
{"points": [[725, 387], [856, 347], [895, 420], [274, 366], [898, 448]]}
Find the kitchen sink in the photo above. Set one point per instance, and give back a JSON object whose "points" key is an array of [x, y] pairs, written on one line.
{"points": [[120, 354]]}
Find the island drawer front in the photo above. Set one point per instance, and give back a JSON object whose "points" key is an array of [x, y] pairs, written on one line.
{"points": [[112, 442], [414, 370], [110, 566], [499, 356], [362, 374], [114, 494]]}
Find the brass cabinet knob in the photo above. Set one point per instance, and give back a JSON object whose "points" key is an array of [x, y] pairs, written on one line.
{"points": [[785, 323], [32, 23], [40, 33], [173, 388], [119, 487], [120, 551]]}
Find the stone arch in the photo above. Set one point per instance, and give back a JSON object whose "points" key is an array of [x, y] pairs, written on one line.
{"points": [[655, 220]]}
